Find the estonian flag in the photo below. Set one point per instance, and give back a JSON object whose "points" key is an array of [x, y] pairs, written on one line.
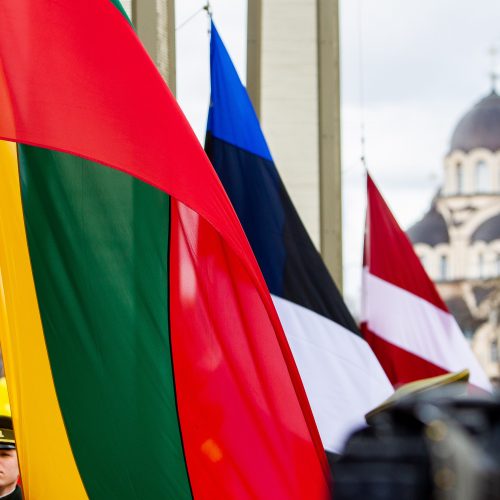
{"points": [[341, 375]]}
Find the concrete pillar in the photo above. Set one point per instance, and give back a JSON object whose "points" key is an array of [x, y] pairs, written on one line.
{"points": [[330, 180], [154, 21], [293, 81], [254, 42]]}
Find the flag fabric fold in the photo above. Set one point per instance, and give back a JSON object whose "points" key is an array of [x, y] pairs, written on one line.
{"points": [[134, 317], [342, 377], [404, 319]]}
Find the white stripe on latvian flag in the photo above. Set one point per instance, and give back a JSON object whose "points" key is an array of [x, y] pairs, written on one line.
{"points": [[419, 327], [342, 377]]}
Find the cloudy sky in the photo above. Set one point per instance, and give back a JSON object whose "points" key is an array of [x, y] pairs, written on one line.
{"points": [[423, 65]]}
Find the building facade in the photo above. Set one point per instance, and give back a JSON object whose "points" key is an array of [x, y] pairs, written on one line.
{"points": [[458, 239]]}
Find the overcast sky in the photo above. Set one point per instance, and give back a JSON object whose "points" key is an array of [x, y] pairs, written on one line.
{"points": [[423, 65]]}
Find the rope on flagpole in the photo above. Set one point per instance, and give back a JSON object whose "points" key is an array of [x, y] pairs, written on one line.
{"points": [[190, 18], [361, 85]]}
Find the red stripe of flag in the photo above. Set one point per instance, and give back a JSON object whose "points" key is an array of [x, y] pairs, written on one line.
{"points": [[400, 365], [389, 253]]}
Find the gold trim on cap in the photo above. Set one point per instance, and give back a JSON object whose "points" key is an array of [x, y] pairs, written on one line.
{"points": [[419, 386], [7, 436]]}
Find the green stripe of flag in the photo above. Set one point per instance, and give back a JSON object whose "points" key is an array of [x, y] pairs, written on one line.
{"points": [[98, 242]]}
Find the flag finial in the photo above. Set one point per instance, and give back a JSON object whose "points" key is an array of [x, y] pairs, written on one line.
{"points": [[208, 8]]}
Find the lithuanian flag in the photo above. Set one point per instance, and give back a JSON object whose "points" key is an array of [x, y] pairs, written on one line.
{"points": [[143, 353]]}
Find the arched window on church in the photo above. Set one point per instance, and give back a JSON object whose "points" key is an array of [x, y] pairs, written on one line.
{"points": [[460, 178], [494, 351], [480, 265], [482, 177], [443, 268]]}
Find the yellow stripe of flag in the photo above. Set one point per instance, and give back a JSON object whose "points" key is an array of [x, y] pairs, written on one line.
{"points": [[42, 441]]}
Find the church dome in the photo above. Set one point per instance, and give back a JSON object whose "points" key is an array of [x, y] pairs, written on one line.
{"points": [[480, 127], [488, 230], [431, 229]]}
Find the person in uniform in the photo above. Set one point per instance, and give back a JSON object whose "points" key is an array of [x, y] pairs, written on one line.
{"points": [[9, 467]]}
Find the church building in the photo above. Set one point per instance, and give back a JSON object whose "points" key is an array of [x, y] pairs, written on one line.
{"points": [[458, 239]]}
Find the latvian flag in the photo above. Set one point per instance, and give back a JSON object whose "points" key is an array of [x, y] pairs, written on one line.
{"points": [[342, 377], [143, 352], [404, 319]]}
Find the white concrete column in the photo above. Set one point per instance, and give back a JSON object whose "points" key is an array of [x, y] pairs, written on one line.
{"points": [[154, 21], [293, 80], [330, 180]]}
